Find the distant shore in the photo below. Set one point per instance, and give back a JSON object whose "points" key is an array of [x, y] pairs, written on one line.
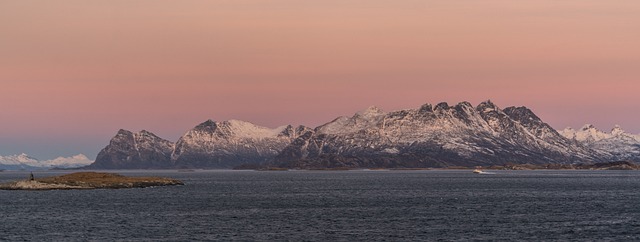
{"points": [[617, 165]]}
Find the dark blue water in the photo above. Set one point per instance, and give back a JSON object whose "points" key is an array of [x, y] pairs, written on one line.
{"points": [[338, 205]]}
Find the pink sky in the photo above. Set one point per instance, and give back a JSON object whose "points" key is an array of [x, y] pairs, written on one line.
{"points": [[74, 72]]}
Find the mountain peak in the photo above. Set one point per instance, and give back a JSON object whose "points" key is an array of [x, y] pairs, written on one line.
{"points": [[23, 155], [370, 111], [464, 107], [486, 106], [617, 130], [427, 107], [588, 127], [441, 106], [124, 132], [464, 104], [145, 132], [209, 125], [522, 113], [588, 133]]}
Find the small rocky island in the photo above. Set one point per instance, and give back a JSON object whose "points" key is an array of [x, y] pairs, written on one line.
{"points": [[88, 180]]}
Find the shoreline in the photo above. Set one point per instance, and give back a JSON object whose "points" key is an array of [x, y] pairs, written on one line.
{"points": [[618, 165], [88, 180]]}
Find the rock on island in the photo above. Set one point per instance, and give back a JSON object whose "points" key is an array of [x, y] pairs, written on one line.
{"points": [[89, 180]]}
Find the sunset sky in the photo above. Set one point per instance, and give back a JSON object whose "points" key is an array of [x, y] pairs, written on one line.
{"points": [[74, 72]]}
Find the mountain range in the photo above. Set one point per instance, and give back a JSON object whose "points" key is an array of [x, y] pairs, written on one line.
{"points": [[429, 136], [26, 162], [617, 143]]}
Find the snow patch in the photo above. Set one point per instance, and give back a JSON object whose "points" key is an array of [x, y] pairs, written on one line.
{"points": [[391, 151], [248, 130]]}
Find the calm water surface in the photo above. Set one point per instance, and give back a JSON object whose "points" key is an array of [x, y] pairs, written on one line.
{"points": [[337, 205]]}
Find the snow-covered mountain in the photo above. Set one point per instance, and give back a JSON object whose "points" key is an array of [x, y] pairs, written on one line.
{"points": [[208, 145], [430, 136], [141, 150], [24, 161], [231, 143], [617, 143]]}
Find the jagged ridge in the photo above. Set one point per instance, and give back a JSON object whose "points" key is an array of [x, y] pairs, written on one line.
{"points": [[439, 136], [617, 145], [231, 143], [430, 136], [208, 145]]}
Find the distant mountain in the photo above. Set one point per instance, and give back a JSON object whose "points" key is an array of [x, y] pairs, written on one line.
{"points": [[141, 150], [616, 145], [208, 145], [231, 143], [439, 136], [429, 136], [26, 162]]}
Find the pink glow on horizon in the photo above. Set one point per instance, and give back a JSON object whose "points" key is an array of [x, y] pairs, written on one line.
{"points": [[78, 71]]}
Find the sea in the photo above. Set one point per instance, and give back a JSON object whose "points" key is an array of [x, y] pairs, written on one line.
{"points": [[362, 205]]}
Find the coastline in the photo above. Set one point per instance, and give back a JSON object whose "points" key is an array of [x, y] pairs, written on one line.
{"points": [[88, 180]]}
